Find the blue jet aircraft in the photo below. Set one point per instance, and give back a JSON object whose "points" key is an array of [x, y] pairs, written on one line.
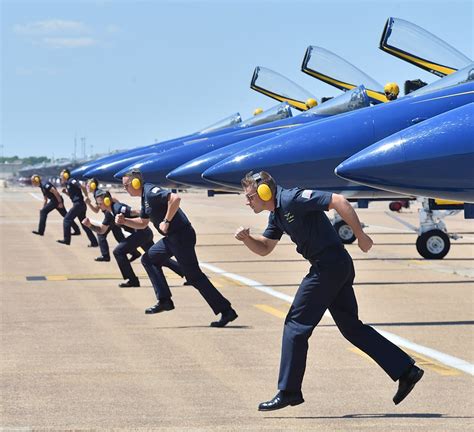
{"points": [[434, 159], [106, 171]]}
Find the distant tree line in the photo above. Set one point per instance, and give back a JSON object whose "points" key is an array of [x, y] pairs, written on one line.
{"points": [[30, 160]]}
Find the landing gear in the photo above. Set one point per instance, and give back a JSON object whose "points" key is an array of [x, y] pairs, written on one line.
{"points": [[434, 241], [344, 232], [433, 244]]}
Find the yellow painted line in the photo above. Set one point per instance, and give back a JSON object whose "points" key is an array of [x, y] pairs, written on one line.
{"points": [[271, 310], [421, 361], [57, 278]]}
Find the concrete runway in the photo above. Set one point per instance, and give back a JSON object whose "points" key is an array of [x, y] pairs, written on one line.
{"points": [[78, 353]]}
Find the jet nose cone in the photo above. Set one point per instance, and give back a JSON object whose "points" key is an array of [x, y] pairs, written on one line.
{"points": [[187, 175], [377, 164], [224, 174]]}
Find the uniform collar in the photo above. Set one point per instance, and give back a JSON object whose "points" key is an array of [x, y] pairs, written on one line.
{"points": [[279, 190]]}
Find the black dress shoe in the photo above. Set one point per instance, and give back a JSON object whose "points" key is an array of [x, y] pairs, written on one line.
{"points": [[282, 400], [102, 258], [63, 242], [161, 306], [37, 233], [227, 316], [76, 233], [93, 245], [187, 283], [406, 383], [130, 284], [134, 255]]}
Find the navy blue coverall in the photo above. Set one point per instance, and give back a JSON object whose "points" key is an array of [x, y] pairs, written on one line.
{"points": [[78, 210], [179, 242], [138, 238], [52, 204], [328, 285]]}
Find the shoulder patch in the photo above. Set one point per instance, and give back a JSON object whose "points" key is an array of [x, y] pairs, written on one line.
{"points": [[123, 209], [306, 193], [156, 189], [73, 181]]}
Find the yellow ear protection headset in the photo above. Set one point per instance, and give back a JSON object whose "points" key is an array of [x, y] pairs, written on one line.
{"points": [[65, 174], [106, 197], [263, 190], [93, 184], [35, 179], [108, 200], [136, 182]]}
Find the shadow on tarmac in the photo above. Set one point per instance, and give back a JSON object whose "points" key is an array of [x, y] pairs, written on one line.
{"points": [[237, 327], [369, 416]]}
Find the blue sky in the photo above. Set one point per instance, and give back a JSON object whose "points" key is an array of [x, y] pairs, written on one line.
{"points": [[124, 74]]}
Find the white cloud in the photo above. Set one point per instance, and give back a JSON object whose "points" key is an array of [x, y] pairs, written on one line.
{"points": [[49, 27], [69, 42]]}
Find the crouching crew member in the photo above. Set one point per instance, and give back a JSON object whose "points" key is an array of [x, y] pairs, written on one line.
{"points": [[78, 210], [162, 208], [52, 201], [137, 238], [328, 285], [93, 187]]}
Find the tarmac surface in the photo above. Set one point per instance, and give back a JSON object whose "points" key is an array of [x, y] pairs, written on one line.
{"points": [[78, 353]]}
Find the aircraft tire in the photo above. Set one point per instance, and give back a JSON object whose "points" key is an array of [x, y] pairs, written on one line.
{"points": [[434, 244], [345, 233]]}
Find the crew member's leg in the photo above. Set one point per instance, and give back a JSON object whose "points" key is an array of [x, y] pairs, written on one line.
{"points": [[50, 206], [74, 212], [182, 245], [75, 229], [153, 259], [131, 243], [82, 215], [388, 356]]}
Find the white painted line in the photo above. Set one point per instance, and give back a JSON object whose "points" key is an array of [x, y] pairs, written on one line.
{"points": [[37, 196], [443, 358], [446, 359], [249, 282]]}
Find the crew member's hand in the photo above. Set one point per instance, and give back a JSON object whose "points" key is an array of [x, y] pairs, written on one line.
{"points": [[120, 219], [365, 242], [86, 221], [242, 233], [164, 226]]}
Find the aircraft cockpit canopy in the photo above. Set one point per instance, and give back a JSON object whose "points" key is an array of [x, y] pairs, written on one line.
{"points": [[418, 46], [348, 101], [334, 70], [461, 76], [278, 112], [276, 86], [232, 120]]}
